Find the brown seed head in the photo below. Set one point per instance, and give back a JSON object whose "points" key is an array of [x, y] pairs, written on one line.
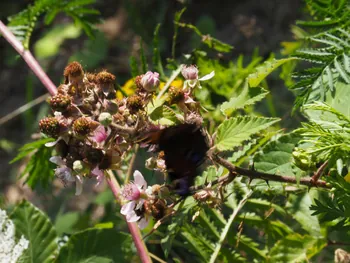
{"points": [[60, 102], [134, 103], [74, 72], [138, 82], [50, 126], [105, 77], [175, 95], [82, 126]]}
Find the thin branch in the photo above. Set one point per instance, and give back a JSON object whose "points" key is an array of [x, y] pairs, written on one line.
{"points": [[319, 172], [228, 226], [132, 164], [28, 58], [133, 228], [252, 174], [23, 108]]}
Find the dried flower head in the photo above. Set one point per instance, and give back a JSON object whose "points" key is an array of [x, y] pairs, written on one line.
{"points": [[138, 81], [73, 73], [134, 103], [83, 126], [175, 95]]}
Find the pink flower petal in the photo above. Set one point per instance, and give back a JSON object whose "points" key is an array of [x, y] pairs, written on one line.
{"points": [[127, 208], [143, 223], [57, 160], [132, 217], [78, 185], [139, 180], [99, 175]]}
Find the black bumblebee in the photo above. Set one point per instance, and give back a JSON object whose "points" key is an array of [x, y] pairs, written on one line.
{"points": [[184, 147]]}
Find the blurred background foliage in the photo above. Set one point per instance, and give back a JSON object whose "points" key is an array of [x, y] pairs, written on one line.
{"points": [[126, 38]]}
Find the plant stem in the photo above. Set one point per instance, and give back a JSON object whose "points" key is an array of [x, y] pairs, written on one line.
{"points": [[252, 174], [133, 228], [28, 58], [167, 85], [132, 164], [228, 226]]}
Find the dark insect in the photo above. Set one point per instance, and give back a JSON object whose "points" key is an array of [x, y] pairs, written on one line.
{"points": [[184, 148]]}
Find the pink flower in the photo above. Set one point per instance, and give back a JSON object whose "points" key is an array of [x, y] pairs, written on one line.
{"points": [[135, 192], [150, 81], [100, 134], [190, 72], [99, 175]]}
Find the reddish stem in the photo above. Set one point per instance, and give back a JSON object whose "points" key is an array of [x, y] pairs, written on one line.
{"points": [[28, 58], [133, 228]]}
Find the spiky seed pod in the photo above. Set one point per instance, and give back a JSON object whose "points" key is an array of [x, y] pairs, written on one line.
{"points": [[138, 82], [60, 102], [134, 103], [83, 126], [73, 73], [50, 126], [175, 95]]}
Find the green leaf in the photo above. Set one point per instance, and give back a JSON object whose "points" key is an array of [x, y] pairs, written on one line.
{"points": [[247, 97], [30, 147], [35, 226], [263, 71], [164, 115], [93, 245], [299, 207], [296, 248], [234, 131], [276, 157], [174, 228]]}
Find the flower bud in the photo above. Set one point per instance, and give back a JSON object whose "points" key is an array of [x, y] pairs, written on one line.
{"points": [[50, 126], [302, 159], [190, 72], [105, 118], [60, 102], [150, 81], [73, 73]]}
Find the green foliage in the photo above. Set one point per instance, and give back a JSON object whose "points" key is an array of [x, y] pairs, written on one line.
{"points": [[39, 170], [96, 245], [36, 227], [276, 157], [264, 70], [236, 130], [249, 96], [23, 23]]}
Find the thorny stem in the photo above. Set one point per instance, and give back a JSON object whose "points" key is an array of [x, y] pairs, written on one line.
{"points": [[252, 174], [46, 81], [133, 228], [319, 172], [29, 59]]}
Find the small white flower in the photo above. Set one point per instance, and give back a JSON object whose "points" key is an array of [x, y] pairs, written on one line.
{"points": [[190, 73], [10, 251]]}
